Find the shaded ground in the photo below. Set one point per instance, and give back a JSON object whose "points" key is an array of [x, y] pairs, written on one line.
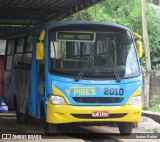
{"points": [[89, 134]]}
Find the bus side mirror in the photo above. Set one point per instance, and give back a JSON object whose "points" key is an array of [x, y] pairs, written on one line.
{"points": [[40, 46], [139, 48], [39, 51], [138, 44]]}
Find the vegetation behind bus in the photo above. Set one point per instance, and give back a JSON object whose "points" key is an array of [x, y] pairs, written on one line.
{"points": [[127, 13]]}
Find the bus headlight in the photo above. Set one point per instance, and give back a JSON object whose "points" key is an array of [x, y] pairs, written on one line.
{"points": [[56, 100], [136, 100]]}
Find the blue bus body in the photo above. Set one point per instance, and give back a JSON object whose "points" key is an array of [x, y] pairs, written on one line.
{"points": [[27, 92]]}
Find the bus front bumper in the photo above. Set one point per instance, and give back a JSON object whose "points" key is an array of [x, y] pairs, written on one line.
{"points": [[58, 114]]}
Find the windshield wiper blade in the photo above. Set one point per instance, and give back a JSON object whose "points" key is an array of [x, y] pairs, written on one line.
{"points": [[86, 65], [118, 79]]}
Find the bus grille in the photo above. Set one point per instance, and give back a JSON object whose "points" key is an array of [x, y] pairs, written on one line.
{"points": [[89, 116], [97, 99]]}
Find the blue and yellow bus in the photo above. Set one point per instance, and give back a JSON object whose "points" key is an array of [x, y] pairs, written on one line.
{"points": [[74, 72]]}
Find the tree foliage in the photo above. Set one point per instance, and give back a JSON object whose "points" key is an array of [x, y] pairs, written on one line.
{"points": [[127, 13]]}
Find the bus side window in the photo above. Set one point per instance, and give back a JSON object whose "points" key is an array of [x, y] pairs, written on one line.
{"points": [[9, 56], [27, 57], [19, 52]]}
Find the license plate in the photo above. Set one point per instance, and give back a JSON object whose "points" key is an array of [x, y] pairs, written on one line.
{"points": [[100, 114]]}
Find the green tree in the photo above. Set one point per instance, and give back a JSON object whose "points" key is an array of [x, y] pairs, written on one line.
{"points": [[127, 13]]}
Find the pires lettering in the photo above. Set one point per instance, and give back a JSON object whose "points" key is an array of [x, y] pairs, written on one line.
{"points": [[81, 91]]}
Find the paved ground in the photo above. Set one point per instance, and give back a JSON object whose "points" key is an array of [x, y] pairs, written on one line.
{"points": [[149, 125], [81, 134]]}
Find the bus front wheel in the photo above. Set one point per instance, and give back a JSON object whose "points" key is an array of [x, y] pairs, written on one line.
{"points": [[125, 128], [50, 129]]}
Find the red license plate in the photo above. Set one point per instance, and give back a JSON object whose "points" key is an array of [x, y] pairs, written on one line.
{"points": [[100, 114]]}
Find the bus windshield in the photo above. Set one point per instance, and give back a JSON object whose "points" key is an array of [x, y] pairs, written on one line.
{"points": [[70, 50]]}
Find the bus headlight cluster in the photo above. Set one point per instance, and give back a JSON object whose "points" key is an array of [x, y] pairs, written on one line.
{"points": [[136, 100], [57, 100]]}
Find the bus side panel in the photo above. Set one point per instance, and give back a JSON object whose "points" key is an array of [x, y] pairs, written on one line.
{"points": [[8, 97], [22, 89], [34, 81]]}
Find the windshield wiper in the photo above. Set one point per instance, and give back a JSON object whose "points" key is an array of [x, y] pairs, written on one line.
{"points": [[85, 67], [118, 79]]}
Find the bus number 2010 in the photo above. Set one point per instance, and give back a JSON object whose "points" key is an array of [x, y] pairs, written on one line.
{"points": [[114, 91]]}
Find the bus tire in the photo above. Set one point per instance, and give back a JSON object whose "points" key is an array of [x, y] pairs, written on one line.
{"points": [[50, 129], [21, 117], [125, 128]]}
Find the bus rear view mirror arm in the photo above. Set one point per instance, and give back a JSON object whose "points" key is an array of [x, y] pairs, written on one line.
{"points": [[40, 46]]}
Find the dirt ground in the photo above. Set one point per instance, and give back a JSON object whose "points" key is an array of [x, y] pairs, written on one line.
{"points": [[147, 126]]}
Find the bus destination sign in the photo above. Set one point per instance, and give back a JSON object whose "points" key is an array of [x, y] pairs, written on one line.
{"points": [[73, 36]]}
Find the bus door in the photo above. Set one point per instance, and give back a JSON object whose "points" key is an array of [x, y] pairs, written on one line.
{"points": [[40, 76], [40, 84]]}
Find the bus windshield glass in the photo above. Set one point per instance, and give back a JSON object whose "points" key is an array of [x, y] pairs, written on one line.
{"points": [[70, 50]]}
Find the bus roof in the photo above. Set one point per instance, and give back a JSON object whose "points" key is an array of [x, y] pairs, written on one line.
{"points": [[84, 22], [65, 23]]}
